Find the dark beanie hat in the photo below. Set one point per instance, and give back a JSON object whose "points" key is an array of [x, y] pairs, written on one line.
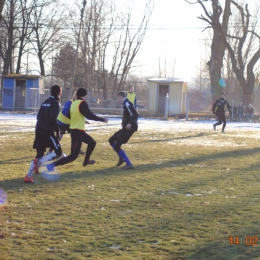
{"points": [[81, 92]]}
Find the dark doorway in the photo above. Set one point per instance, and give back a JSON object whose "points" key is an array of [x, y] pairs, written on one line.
{"points": [[162, 92], [20, 93]]}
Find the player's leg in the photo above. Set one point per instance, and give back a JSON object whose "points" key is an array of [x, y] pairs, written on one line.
{"points": [[112, 142], [55, 146], [91, 146], [76, 142], [218, 123], [40, 147], [224, 123], [34, 166], [122, 138], [63, 129], [112, 139]]}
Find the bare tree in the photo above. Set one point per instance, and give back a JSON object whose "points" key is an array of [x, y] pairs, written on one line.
{"points": [[216, 18], [2, 2], [129, 44], [7, 33], [99, 27], [244, 54], [24, 31], [103, 30], [48, 20], [63, 65]]}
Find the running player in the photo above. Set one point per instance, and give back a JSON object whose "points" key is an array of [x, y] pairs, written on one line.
{"points": [[129, 126], [47, 133], [219, 108], [79, 110]]}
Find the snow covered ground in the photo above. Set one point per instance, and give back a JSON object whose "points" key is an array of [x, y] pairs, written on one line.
{"points": [[26, 122], [187, 133]]}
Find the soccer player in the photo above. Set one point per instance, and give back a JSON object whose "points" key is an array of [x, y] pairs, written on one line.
{"points": [[219, 108], [131, 96], [129, 126], [46, 133], [79, 110], [64, 120]]}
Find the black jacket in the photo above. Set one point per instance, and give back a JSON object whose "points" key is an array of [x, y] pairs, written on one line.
{"points": [[219, 107], [130, 115], [47, 115], [240, 109], [250, 110]]}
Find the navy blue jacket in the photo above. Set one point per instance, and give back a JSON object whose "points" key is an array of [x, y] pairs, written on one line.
{"points": [[130, 115]]}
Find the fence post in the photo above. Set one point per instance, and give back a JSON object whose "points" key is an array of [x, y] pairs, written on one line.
{"points": [[232, 111], [187, 107], [35, 102], [166, 106]]}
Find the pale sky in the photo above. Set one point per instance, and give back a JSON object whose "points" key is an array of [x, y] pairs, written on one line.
{"points": [[174, 36]]}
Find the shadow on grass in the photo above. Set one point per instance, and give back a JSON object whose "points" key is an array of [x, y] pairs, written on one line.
{"points": [[16, 160], [174, 138], [247, 249], [87, 172]]}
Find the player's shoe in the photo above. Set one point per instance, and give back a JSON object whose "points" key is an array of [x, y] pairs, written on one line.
{"points": [[214, 127], [128, 167], [82, 152], [121, 161], [89, 162], [50, 167], [223, 132], [28, 180], [36, 165]]}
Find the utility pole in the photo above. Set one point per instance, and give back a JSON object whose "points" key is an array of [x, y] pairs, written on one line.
{"points": [[77, 48]]}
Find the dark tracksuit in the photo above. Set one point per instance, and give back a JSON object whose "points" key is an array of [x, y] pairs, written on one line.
{"points": [[46, 126], [130, 116], [79, 136], [219, 108]]}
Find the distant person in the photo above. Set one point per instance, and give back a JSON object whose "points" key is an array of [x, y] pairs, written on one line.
{"points": [[219, 108], [240, 111], [79, 110], [131, 96], [233, 112], [250, 113], [47, 133], [129, 126]]}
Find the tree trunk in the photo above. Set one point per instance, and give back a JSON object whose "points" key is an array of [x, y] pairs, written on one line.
{"points": [[2, 2], [18, 66], [41, 62], [218, 47]]}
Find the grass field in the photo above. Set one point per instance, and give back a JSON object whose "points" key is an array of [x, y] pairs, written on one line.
{"points": [[190, 191]]}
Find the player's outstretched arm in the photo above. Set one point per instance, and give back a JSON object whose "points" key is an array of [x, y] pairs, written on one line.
{"points": [[84, 110]]}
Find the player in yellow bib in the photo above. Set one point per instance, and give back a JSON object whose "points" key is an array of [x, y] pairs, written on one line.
{"points": [[79, 110], [64, 120], [131, 96]]}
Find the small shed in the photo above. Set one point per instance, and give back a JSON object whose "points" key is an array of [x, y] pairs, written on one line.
{"points": [[159, 88], [22, 91]]}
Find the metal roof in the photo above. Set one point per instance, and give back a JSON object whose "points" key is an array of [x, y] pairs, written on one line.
{"points": [[166, 80], [21, 76]]}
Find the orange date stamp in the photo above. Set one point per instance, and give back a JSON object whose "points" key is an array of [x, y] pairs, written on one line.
{"points": [[249, 240]]}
